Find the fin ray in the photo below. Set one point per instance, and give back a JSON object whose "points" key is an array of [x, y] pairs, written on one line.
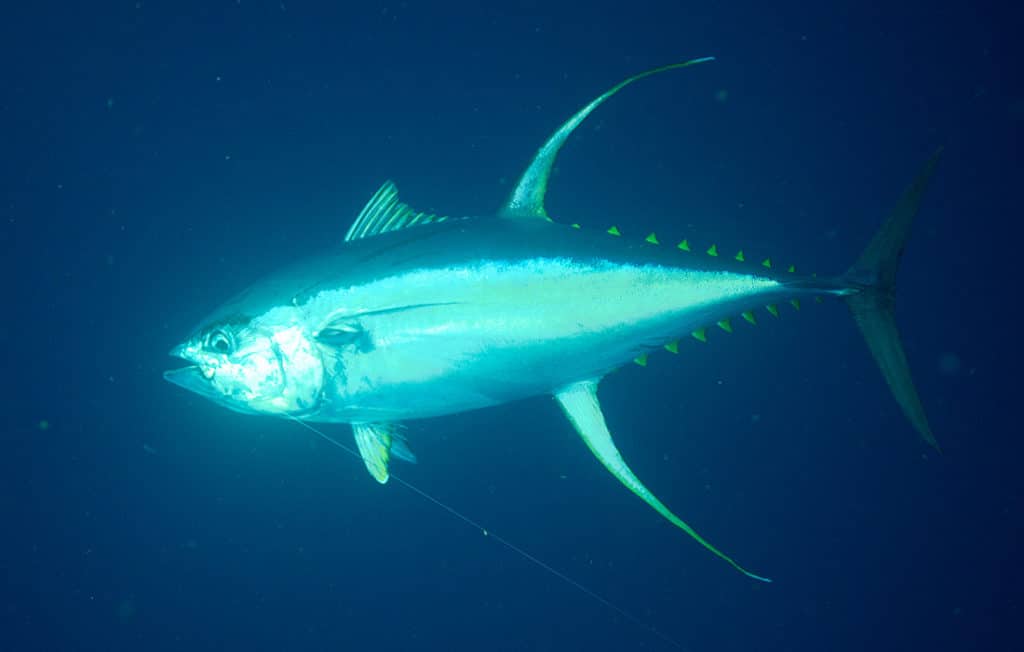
{"points": [[377, 443], [384, 212]]}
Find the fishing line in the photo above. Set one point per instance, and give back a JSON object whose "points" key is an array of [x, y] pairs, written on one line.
{"points": [[503, 541]]}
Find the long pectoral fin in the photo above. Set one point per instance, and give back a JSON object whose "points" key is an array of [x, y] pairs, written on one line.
{"points": [[377, 443], [579, 401]]}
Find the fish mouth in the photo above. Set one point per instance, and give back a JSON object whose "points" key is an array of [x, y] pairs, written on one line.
{"points": [[191, 377]]}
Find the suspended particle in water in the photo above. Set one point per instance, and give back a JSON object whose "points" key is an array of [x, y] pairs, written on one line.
{"points": [[949, 364]]}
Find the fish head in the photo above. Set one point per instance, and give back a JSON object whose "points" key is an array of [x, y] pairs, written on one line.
{"points": [[262, 365]]}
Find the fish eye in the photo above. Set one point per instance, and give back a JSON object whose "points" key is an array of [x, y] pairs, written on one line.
{"points": [[218, 341]]}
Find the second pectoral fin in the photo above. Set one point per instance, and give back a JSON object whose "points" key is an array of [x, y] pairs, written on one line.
{"points": [[378, 443], [579, 401]]}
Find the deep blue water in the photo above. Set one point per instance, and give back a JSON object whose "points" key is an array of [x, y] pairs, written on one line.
{"points": [[159, 156]]}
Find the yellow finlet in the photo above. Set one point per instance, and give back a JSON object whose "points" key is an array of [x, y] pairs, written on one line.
{"points": [[641, 359], [575, 226], [700, 334], [795, 303], [792, 269], [713, 250], [766, 263], [672, 347], [725, 325], [749, 316], [614, 231], [684, 245], [772, 308], [739, 256], [653, 239], [818, 299]]}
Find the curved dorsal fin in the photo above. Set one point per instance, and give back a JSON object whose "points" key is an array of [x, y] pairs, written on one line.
{"points": [[384, 212], [527, 199]]}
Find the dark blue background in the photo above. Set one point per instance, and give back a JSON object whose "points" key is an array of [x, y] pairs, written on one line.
{"points": [[157, 156]]}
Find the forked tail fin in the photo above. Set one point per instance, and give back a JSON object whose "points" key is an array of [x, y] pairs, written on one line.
{"points": [[874, 277]]}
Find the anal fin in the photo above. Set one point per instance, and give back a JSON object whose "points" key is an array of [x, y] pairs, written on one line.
{"points": [[378, 443], [579, 401]]}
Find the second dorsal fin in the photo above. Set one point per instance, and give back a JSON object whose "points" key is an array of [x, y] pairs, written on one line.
{"points": [[527, 199]]}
